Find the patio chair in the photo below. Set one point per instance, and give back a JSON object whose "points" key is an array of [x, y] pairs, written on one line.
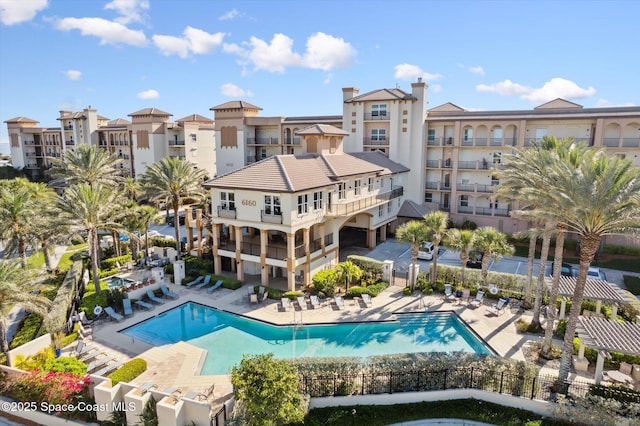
{"points": [[90, 355], [168, 293], [113, 314], [315, 303], [465, 295], [194, 282], [214, 287], [264, 297], [253, 298], [84, 320], [448, 294], [260, 291], [339, 302], [499, 307], [144, 305], [367, 300], [82, 349], [153, 298], [204, 283], [302, 302], [108, 369], [85, 332], [94, 365], [126, 307], [478, 300], [286, 303]]}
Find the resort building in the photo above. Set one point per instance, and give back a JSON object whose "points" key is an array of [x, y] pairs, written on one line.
{"points": [[282, 216]]}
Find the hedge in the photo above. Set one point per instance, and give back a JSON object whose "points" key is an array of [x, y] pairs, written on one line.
{"points": [[129, 371], [66, 364], [162, 242], [57, 316], [368, 265], [292, 294], [103, 273], [27, 331], [91, 299], [111, 262], [230, 283], [372, 290]]}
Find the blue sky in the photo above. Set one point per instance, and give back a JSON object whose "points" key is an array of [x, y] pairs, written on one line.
{"points": [[292, 58]]}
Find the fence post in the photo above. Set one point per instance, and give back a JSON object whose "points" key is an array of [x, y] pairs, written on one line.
{"points": [[501, 381], [390, 382], [533, 387], [362, 387], [444, 384], [471, 379]]}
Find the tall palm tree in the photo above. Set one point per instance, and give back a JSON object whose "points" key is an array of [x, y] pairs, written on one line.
{"points": [[348, 272], [131, 188], [494, 245], [174, 179], [147, 215], [555, 289], [463, 241], [437, 223], [533, 241], [50, 229], [89, 165], [90, 209], [540, 287], [414, 233], [13, 290]]}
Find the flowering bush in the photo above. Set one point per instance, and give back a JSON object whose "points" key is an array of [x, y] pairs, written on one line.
{"points": [[54, 388]]}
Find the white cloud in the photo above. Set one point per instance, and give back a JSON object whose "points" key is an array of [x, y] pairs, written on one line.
{"points": [[109, 32], [326, 52], [476, 70], [413, 72], [552, 89], [328, 78], [193, 40], [233, 91], [130, 10], [73, 74], [605, 103], [17, 11], [233, 13], [323, 52], [436, 88], [149, 94]]}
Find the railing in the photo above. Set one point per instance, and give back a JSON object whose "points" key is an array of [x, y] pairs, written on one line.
{"points": [[341, 209], [69, 143], [448, 141], [175, 143], [271, 217], [510, 141], [295, 141], [431, 185], [433, 164], [465, 209], [630, 142], [124, 156], [29, 142], [328, 240], [481, 142], [67, 127], [495, 141], [315, 245], [376, 141], [263, 141], [486, 188], [444, 207], [467, 142], [465, 187], [544, 388], [227, 213], [379, 116]]}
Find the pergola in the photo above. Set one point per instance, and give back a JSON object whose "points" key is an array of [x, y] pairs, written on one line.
{"points": [[604, 335], [598, 290]]}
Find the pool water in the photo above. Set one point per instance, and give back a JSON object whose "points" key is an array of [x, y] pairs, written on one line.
{"points": [[227, 336], [117, 282]]}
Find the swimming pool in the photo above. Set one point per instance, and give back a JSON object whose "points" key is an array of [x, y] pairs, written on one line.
{"points": [[118, 282], [227, 336]]}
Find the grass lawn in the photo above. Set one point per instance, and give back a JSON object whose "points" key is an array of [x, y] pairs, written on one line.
{"points": [[469, 409], [76, 247], [632, 283], [36, 261]]}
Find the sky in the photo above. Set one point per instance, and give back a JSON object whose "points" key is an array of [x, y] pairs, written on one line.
{"points": [[292, 58]]}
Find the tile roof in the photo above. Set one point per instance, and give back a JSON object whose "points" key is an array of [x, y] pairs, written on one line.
{"points": [[322, 129], [118, 122], [378, 158], [413, 210], [382, 95], [195, 118], [294, 173], [21, 120], [602, 334], [150, 111], [235, 105], [314, 119], [593, 290]]}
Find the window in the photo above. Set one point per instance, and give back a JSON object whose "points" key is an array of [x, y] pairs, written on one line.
{"points": [[493, 204], [228, 201], [497, 157], [379, 110], [357, 187], [389, 207], [378, 134], [263, 153], [381, 183], [272, 205], [431, 135], [468, 134], [380, 210], [370, 185], [317, 200], [428, 197], [303, 206], [494, 180], [540, 133], [497, 134], [342, 191], [464, 201]]}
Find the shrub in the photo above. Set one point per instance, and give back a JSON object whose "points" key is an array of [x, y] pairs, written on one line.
{"points": [[162, 242], [230, 283], [115, 297], [69, 339], [377, 288], [113, 261], [54, 388], [406, 291], [103, 273], [372, 268], [27, 331], [65, 364], [129, 371], [325, 281], [357, 291], [525, 327], [292, 294], [91, 299], [561, 328]]}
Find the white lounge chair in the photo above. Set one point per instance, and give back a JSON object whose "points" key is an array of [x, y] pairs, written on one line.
{"points": [[302, 302], [94, 365], [367, 300], [315, 303], [286, 303], [448, 294], [194, 282], [144, 305], [499, 307], [113, 314], [478, 300], [153, 298], [168, 293], [253, 298], [264, 297], [339, 302], [214, 287], [206, 282], [108, 369]]}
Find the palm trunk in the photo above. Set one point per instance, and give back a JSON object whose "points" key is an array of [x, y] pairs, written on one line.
{"points": [[22, 251], [4, 345], [146, 242], [176, 225], [553, 297], [47, 256], [414, 259], [588, 248], [546, 241], [93, 247], [532, 254], [133, 241], [435, 264], [486, 259], [463, 264]]}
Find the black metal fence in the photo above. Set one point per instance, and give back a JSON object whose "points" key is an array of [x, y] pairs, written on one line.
{"points": [[220, 417], [543, 388]]}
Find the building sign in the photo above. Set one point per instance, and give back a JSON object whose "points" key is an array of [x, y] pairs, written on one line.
{"points": [[251, 203]]}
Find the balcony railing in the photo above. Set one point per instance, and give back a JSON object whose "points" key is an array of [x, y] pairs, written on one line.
{"points": [[68, 127], [481, 141], [176, 143], [475, 187], [263, 141], [444, 207], [29, 143], [293, 141], [467, 142], [271, 217], [630, 142], [377, 116], [448, 141], [465, 209], [433, 164], [376, 141], [227, 213], [315, 245], [328, 240], [342, 209], [69, 142]]}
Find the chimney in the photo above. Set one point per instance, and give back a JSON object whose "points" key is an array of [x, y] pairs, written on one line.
{"points": [[349, 93]]}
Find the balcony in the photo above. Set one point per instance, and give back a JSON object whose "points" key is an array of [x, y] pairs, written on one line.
{"points": [[488, 211], [444, 207], [226, 213], [271, 217], [481, 141], [448, 141], [630, 142], [70, 142], [359, 205], [433, 164], [465, 209], [377, 116], [263, 141], [293, 141], [123, 156], [467, 142], [375, 142], [473, 165], [251, 246], [69, 127], [328, 240], [176, 143]]}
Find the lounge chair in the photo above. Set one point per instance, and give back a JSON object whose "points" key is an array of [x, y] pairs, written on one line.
{"points": [[88, 356], [113, 314], [168, 293], [204, 283], [498, 308], [478, 300], [108, 369], [302, 302], [264, 297], [448, 294], [84, 320], [85, 333], [126, 307], [339, 302], [253, 298], [315, 303], [214, 287], [144, 305], [260, 291], [82, 349], [153, 298], [286, 303], [465, 295], [94, 365], [194, 282], [367, 300]]}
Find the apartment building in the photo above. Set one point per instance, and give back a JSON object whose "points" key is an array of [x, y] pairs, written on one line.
{"points": [[282, 216]]}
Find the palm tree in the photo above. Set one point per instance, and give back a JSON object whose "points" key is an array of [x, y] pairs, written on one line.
{"points": [[414, 233], [13, 290], [494, 245], [437, 223], [174, 179], [540, 287], [462, 240], [88, 164], [555, 289], [50, 229], [131, 188], [533, 241], [349, 272], [147, 215], [90, 209]]}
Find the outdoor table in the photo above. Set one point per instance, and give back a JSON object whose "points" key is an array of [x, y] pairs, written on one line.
{"points": [[617, 376]]}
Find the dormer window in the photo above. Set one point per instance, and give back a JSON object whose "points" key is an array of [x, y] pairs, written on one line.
{"points": [[379, 110]]}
